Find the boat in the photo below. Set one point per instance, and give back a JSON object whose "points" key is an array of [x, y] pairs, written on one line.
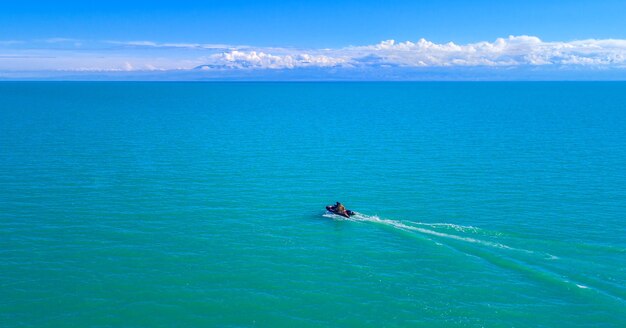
{"points": [[346, 214]]}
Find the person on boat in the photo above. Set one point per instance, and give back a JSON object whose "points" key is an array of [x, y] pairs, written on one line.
{"points": [[339, 208]]}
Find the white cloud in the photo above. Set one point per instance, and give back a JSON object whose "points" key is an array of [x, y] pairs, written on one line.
{"points": [[152, 44], [60, 40], [254, 59], [513, 51], [10, 42]]}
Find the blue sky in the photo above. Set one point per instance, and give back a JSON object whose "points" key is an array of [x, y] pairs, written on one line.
{"points": [[222, 36]]}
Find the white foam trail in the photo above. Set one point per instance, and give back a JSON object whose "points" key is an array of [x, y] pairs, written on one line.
{"points": [[402, 226], [358, 217], [333, 216], [456, 227]]}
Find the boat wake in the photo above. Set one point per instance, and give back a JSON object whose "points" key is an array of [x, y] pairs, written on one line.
{"points": [[420, 227], [488, 246]]}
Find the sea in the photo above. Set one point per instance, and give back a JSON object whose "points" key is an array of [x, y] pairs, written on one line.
{"points": [[202, 204]]}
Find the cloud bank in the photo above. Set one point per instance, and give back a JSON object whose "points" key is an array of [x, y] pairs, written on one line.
{"points": [[527, 52], [512, 51]]}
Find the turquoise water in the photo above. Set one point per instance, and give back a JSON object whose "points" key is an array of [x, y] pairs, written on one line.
{"points": [[202, 204]]}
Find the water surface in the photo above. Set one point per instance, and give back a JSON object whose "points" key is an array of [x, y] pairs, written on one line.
{"points": [[201, 204]]}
